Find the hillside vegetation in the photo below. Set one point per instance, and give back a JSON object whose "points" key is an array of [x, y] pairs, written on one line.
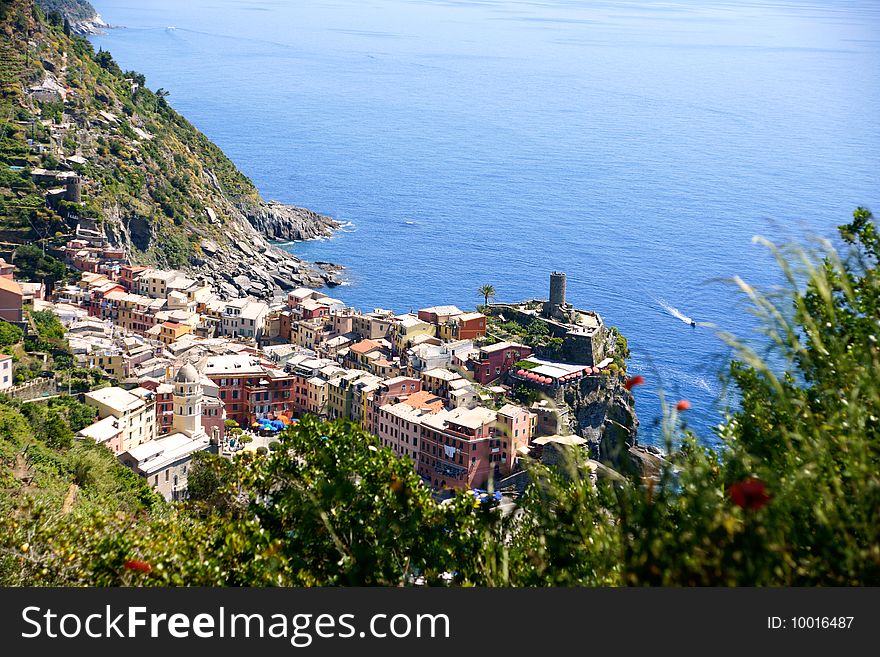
{"points": [[154, 183]]}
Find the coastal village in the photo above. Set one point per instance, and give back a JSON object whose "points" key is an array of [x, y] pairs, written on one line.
{"points": [[222, 357], [192, 371]]}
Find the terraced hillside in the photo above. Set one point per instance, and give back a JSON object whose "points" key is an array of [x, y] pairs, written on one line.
{"points": [[149, 179]]}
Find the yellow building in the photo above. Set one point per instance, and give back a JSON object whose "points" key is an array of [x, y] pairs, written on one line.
{"points": [[135, 412], [170, 332], [408, 327], [309, 333], [114, 364], [317, 396]]}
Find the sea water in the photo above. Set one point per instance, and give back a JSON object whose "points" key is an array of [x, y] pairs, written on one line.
{"points": [[637, 146]]}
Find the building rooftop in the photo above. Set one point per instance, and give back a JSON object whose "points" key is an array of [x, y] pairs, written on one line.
{"points": [[254, 309], [232, 364], [471, 418], [441, 373], [424, 400], [116, 398], [102, 430], [157, 454], [509, 410], [499, 346], [410, 321], [302, 292], [365, 346], [442, 310], [8, 285], [410, 413]]}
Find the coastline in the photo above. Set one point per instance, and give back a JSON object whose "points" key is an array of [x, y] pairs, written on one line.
{"points": [[247, 258]]}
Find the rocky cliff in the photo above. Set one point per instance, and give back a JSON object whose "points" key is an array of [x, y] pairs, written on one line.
{"points": [[81, 15], [152, 182], [604, 413], [287, 223]]}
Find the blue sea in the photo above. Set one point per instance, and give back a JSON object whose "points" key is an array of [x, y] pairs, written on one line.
{"points": [[638, 146]]}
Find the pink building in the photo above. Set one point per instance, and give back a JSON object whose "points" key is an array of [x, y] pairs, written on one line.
{"points": [[460, 449], [515, 427], [399, 425], [494, 360], [392, 391], [10, 300], [214, 419]]}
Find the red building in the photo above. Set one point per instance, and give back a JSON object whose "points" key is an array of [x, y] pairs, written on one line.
{"points": [[461, 449], [252, 388], [469, 326], [164, 404], [494, 360], [128, 274]]}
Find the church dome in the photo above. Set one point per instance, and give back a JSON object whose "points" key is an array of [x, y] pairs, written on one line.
{"points": [[187, 374]]}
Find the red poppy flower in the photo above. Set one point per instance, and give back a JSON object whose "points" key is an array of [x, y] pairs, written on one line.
{"points": [[140, 566], [683, 405], [634, 381], [750, 494]]}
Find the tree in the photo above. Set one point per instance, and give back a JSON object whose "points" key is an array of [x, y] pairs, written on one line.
{"points": [[488, 292], [67, 29], [56, 432], [10, 334], [213, 484], [36, 266], [161, 96]]}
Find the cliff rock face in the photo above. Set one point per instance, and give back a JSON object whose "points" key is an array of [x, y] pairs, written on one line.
{"points": [[287, 223], [84, 19], [605, 415]]}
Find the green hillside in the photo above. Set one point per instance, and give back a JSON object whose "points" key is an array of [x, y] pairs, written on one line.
{"points": [[75, 10], [155, 183]]}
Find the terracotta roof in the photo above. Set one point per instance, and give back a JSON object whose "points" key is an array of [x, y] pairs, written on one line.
{"points": [[365, 346], [424, 400], [8, 285]]}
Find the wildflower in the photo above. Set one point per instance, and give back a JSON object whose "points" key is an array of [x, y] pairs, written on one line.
{"points": [[138, 565], [750, 494], [634, 381], [683, 405]]}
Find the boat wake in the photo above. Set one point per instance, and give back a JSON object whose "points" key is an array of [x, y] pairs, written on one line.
{"points": [[675, 312]]}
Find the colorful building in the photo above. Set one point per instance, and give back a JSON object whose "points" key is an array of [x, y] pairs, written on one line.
{"points": [[459, 449], [11, 299], [492, 361]]}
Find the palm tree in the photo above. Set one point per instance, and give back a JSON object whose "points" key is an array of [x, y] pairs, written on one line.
{"points": [[488, 292]]}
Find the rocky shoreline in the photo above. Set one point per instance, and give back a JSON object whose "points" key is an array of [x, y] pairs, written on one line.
{"points": [[250, 264], [90, 27]]}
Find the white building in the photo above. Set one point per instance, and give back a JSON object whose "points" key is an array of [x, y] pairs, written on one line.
{"points": [[165, 462]]}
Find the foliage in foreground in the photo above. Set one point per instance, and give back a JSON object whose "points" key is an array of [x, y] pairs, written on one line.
{"points": [[792, 499]]}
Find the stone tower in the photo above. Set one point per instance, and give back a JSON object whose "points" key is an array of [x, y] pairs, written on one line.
{"points": [[187, 402], [73, 190], [557, 289], [555, 306]]}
